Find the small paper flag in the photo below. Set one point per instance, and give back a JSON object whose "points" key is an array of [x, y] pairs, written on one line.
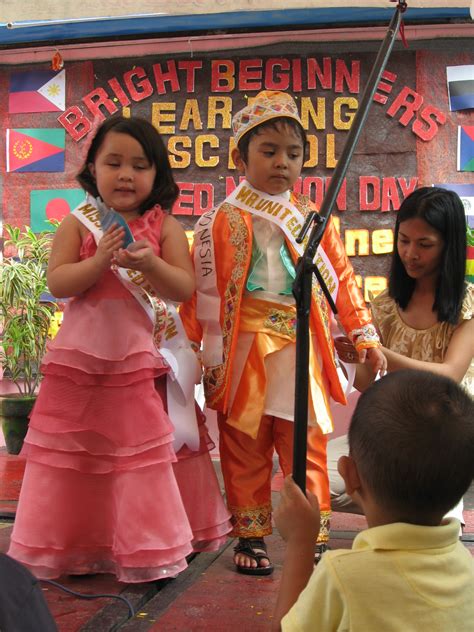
{"points": [[465, 147], [37, 91], [470, 255], [460, 87], [35, 149], [49, 204], [466, 193]]}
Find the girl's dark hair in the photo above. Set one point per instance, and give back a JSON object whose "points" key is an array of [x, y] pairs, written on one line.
{"points": [[165, 190], [274, 123], [444, 211]]}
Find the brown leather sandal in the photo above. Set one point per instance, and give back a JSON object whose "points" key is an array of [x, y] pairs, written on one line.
{"points": [[256, 549]]}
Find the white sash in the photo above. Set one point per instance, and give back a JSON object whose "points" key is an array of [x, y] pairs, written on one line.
{"points": [[277, 209], [169, 336], [208, 300], [282, 212]]}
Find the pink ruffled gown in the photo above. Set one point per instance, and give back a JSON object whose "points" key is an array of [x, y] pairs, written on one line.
{"points": [[103, 491]]}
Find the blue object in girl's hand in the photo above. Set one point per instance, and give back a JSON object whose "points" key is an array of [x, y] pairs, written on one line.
{"points": [[108, 217]]}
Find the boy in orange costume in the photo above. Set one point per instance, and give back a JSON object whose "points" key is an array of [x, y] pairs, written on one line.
{"points": [[243, 313]]}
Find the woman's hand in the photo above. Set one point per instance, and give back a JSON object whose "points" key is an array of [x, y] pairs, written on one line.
{"points": [[377, 360], [348, 353]]}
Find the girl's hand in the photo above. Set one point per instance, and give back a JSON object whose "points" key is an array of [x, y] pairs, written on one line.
{"points": [[110, 242], [138, 256]]}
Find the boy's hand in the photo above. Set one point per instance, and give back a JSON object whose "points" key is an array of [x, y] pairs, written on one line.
{"points": [[347, 353], [297, 516]]}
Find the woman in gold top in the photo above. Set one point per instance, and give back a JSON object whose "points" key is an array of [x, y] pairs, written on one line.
{"points": [[426, 316]]}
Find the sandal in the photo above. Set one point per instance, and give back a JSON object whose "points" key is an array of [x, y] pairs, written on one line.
{"points": [[319, 551], [256, 549]]}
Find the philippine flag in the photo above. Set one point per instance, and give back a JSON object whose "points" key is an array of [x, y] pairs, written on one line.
{"points": [[35, 149], [37, 91]]}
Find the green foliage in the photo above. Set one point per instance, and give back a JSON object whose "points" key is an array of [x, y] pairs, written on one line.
{"points": [[25, 321]]}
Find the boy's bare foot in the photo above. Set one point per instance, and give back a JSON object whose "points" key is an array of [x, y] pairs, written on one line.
{"points": [[250, 557]]}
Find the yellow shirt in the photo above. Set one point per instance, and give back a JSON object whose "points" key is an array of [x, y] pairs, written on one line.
{"points": [[396, 578]]}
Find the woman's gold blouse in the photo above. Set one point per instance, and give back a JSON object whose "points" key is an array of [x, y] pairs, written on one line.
{"points": [[428, 345]]}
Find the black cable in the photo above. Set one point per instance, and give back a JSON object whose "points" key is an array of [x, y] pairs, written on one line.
{"points": [[83, 596]]}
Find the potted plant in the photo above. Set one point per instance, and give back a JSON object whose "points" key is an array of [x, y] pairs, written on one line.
{"points": [[25, 320]]}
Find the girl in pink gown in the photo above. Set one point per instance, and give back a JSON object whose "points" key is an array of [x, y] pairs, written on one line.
{"points": [[103, 489]]}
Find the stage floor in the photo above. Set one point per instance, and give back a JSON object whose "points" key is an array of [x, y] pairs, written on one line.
{"points": [[209, 596]]}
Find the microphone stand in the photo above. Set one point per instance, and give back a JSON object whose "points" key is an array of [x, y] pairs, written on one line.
{"points": [[306, 266]]}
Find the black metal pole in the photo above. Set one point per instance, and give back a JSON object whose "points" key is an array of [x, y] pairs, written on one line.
{"points": [[305, 268]]}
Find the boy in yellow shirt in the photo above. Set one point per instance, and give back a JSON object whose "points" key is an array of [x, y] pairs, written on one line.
{"points": [[411, 443]]}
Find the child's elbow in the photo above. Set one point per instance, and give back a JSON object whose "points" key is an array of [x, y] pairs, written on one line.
{"points": [[188, 289], [54, 287]]}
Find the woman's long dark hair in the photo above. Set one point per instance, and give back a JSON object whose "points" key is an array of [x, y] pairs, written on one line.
{"points": [[444, 211], [165, 190]]}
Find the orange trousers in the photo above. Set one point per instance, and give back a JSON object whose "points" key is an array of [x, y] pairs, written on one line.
{"points": [[247, 466]]}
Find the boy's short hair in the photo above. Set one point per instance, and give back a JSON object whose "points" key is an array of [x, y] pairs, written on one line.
{"points": [[276, 124], [412, 438], [270, 108]]}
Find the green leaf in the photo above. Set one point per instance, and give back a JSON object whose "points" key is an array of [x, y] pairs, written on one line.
{"points": [[25, 319]]}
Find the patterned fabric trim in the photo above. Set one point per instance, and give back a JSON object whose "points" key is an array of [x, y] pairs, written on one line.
{"points": [[251, 522], [161, 319], [325, 524], [214, 377], [267, 104], [364, 337], [282, 322]]}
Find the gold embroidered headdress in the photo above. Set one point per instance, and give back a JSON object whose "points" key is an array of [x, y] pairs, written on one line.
{"points": [[267, 105]]}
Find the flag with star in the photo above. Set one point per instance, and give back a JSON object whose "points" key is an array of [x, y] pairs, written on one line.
{"points": [[37, 91], [35, 149]]}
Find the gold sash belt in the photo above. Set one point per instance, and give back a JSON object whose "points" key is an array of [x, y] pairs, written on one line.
{"points": [[274, 326]]}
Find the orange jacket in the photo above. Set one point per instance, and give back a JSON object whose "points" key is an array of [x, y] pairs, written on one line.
{"points": [[232, 236]]}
